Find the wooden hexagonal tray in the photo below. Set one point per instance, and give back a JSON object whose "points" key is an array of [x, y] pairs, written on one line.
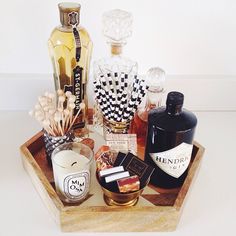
{"points": [[154, 211]]}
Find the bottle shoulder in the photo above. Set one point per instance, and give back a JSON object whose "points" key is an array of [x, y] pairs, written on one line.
{"points": [[64, 36], [171, 123], [120, 63], [63, 29], [120, 60]]}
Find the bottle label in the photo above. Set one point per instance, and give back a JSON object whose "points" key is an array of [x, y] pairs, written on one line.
{"points": [[74, 21], [77, 87], [123, 142], [77, 71], [76, 186], [175, 161]]}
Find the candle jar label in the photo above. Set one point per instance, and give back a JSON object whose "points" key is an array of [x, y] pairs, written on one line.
{"points": [[76, 186]]}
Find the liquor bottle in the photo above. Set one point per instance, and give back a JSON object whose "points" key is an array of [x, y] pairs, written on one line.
{"points": [[169, 142], [70, 49], [155, 81], [117, 27]]}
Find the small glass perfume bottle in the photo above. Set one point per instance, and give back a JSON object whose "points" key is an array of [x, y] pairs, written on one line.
{"points": [[155, 81], [117, 27], [70, 49]]}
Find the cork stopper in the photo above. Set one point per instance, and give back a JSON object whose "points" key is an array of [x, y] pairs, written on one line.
{"points": [[69, 13], [116, 49]]}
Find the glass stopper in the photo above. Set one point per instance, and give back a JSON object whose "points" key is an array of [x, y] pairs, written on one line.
{"points": [[155, 79], [117, 26]]}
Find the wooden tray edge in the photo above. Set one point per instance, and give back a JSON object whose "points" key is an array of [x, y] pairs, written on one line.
{"points": [[39, 180], [54, 197], [70, 218]]}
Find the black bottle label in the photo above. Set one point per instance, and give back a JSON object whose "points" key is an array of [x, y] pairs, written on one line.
{"points": [[78, 92], [77, 43], [74, 21], [174, 161], [77, 87]]}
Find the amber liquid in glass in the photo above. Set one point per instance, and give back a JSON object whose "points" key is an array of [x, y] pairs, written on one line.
{"points": [[139, 127], [62, 50]]}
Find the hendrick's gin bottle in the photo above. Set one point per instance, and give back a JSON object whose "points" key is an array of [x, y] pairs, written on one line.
{"points": [[169, 142]]}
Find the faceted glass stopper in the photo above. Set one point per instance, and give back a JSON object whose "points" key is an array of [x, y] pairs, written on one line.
{"points": [[117, 26], [156, 79]]}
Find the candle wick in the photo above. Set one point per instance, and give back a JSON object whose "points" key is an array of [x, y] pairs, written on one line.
{"points": [[74, 163]]}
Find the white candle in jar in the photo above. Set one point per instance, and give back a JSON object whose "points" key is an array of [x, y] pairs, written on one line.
{"points": [[71, 174]]}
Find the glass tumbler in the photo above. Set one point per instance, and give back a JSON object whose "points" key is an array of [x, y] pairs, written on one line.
{"points": [[71, 164], [114, 127]]}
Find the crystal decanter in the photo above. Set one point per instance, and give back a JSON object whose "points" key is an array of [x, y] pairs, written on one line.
{"points": [[117, 27]]}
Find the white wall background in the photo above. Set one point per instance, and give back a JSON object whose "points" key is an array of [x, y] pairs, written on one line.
{"points": [[182, 36], [192, 40]]}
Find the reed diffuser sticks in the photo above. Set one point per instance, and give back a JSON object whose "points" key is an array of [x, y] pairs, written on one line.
{"points": [[55, 112]]}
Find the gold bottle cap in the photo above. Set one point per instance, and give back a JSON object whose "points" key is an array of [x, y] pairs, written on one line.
{"points": [[69, 13]]}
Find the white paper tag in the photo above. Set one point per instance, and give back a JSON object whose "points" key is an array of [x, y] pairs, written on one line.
{"points": [[76, 186], [125, 142], [174, 161]]}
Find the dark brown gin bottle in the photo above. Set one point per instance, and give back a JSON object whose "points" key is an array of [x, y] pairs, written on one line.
{"points": [[169, 142]]}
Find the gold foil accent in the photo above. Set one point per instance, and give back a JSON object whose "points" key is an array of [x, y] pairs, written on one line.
{"points": [[111, 202], [115, 127]]}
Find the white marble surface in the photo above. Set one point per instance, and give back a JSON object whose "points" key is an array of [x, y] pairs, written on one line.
{"points": [[209, 210]]}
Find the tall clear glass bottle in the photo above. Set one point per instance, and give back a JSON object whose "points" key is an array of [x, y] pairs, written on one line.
{"points": [[155, 81], [70, 49], [117, 27]]}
